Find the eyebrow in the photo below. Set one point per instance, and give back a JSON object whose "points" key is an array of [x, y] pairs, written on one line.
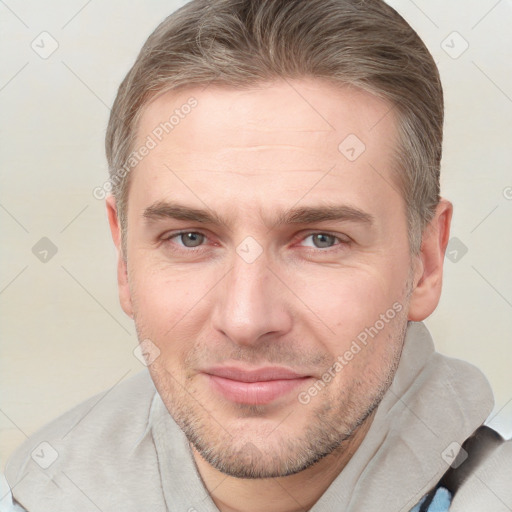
{"points": [[296, 215]]}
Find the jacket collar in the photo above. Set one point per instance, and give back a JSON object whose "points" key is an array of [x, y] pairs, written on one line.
{"points": [[432, 406]]}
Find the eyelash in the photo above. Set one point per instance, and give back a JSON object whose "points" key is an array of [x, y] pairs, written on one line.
{"points": [[170, 236]]}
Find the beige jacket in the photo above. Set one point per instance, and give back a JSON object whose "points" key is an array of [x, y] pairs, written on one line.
{"points": [[122, 451]]}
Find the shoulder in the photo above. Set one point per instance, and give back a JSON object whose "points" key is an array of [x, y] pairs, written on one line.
{"points": [[92, 445], [489, 486], [116, 414]]}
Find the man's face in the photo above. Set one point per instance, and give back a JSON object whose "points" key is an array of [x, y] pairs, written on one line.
{"points": [[298, 260]]}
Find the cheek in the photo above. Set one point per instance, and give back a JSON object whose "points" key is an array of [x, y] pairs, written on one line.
{"points": [[362, 314], [165, 300], [349, 300]]}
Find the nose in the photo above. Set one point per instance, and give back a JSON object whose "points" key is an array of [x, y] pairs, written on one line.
{"points": [[251, 303]]}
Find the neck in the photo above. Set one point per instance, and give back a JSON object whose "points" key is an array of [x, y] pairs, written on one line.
{"points": [[294, 493]]}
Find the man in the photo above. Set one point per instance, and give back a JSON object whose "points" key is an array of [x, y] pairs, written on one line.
{"points": [[276, 210]]}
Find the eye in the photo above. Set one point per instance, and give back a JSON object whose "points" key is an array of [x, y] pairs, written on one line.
{"points": [[187, 238], [322, 240]]}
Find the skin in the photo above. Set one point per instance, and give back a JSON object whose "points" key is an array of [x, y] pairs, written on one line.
{"points": [[247, 156]]}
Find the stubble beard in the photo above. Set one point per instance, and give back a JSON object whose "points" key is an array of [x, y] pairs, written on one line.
{"points": [[262, 453]]}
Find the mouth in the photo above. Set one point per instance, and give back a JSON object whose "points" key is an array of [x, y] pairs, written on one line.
{"points": [[258, 386]]}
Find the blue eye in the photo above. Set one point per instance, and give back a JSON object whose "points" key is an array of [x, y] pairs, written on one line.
{"points": [[189, 238], [321, 240], [189, 241]]}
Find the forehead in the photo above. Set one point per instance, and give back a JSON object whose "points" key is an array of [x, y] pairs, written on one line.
{"points": [[284, 135]]}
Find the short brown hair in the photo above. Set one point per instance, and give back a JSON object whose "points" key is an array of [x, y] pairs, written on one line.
{"points": [[240, 43]]}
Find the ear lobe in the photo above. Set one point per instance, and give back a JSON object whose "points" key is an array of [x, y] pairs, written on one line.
{"points": [[122, 266], [428, 277]]}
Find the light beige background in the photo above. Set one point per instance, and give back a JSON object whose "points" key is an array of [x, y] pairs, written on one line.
{"points": [[63, 334]]}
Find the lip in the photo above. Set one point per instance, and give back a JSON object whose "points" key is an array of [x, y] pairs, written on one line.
{"points": [[258, 386]]}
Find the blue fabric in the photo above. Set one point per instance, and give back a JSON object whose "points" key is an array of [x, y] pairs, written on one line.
{"points": [[440, 503]]}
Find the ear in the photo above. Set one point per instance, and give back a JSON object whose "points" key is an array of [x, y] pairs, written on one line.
{"points": [[428, 275], [122, 268]]}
